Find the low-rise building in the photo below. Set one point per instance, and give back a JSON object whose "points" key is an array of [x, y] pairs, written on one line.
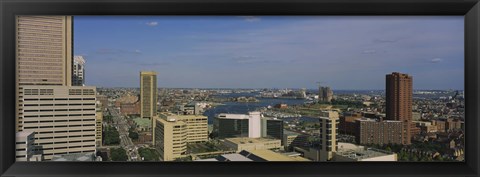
{"points": [[243, 143], [197, 126], [372, 131], [351, 152], [24, 146]]}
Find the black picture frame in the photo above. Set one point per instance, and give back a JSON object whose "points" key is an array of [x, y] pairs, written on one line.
{"points": [[470, 9]]}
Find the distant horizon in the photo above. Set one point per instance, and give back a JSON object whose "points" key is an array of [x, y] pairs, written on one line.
{"points": [[348, 52], [279, 88]]}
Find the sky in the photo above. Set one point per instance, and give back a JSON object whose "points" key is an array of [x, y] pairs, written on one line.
{"points": [[343, 52]]}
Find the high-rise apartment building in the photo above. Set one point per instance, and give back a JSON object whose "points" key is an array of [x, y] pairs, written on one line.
{"points": [[62, 117], [44, 53], [148, 94], [399, 93], [329, 121], [78, 72], [325, 94]]}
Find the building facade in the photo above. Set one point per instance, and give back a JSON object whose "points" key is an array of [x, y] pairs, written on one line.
{"points": [[78, 71], [371, 131], [197, 126], [170, 138], [329, 121], [62, 117], [43, 53], [148, 94], [399, 93], [99, 124], [24, 146]]}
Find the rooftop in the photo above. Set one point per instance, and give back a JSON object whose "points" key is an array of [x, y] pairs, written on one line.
{"points": [[142, 122], [359, 152], [269, 155], [245, 140], [75, 157]]}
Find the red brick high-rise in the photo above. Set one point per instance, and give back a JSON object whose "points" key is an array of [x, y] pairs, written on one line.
{"points": [[399, 93]]}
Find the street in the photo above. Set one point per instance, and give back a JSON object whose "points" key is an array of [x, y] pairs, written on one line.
{"points": [[120, 122]]}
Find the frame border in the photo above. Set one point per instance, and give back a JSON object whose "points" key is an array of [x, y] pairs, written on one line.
{"points": [[470, 9]]}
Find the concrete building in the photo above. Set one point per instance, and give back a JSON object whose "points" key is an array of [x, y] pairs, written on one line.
{"points": [[24, 146], [197, 126], [238, 125], [98, 124], [148, 94], [325, 94], [78, 71], [293, 139], [255, 156], [399, 99], [272, 128], [372, 131], [348, 152], [103, 100], [239, 144], [170, 138], [347, 122], [252, 125], [43, 53], [129, 104], [329, 121], [62, 117]]}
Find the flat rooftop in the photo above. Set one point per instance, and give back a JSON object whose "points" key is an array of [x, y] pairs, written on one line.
{"points": [[269, 155], [142, 122], [245, 140], [362, 153], [75, 157]]}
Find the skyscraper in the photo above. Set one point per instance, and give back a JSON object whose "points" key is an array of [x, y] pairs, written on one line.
{"points": [[399, 93], [44, 53], [61, 116], [148, 94], [78, 78], [325, 94]]}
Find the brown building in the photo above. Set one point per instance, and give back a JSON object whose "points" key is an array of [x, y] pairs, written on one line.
{"points": [[371, 131], [103, 100], [347, 123], [325, 94], [128, 104], [399, 93], [281, 106]]}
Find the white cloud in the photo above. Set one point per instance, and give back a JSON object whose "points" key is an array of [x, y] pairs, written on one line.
{"points": [[138, 51], [251, 18], [370, 51], [436, 60], [153, 23]]}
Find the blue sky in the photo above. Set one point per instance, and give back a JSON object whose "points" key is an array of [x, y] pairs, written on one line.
{"points": [[344, 52]]}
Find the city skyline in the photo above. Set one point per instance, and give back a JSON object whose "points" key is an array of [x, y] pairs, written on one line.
{"points": [[271, 52]]}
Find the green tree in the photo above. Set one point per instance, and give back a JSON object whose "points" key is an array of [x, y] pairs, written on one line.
{"points": [[118, 154], [148, 154], [132, 134], [112, 137]]}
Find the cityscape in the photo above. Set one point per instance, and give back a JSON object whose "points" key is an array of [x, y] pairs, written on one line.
{"points": [[67, 113]]}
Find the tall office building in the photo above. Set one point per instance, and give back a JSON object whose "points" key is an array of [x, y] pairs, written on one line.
{"points": [[78, 71], [148, 94], [325, 94], [399, 93], [272, 128], [62, 117], [329, 121], [44, 53], [170, 138], [197, 126]]}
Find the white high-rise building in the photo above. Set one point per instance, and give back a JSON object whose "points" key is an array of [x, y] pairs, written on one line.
{"points": [[78, 72]]}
